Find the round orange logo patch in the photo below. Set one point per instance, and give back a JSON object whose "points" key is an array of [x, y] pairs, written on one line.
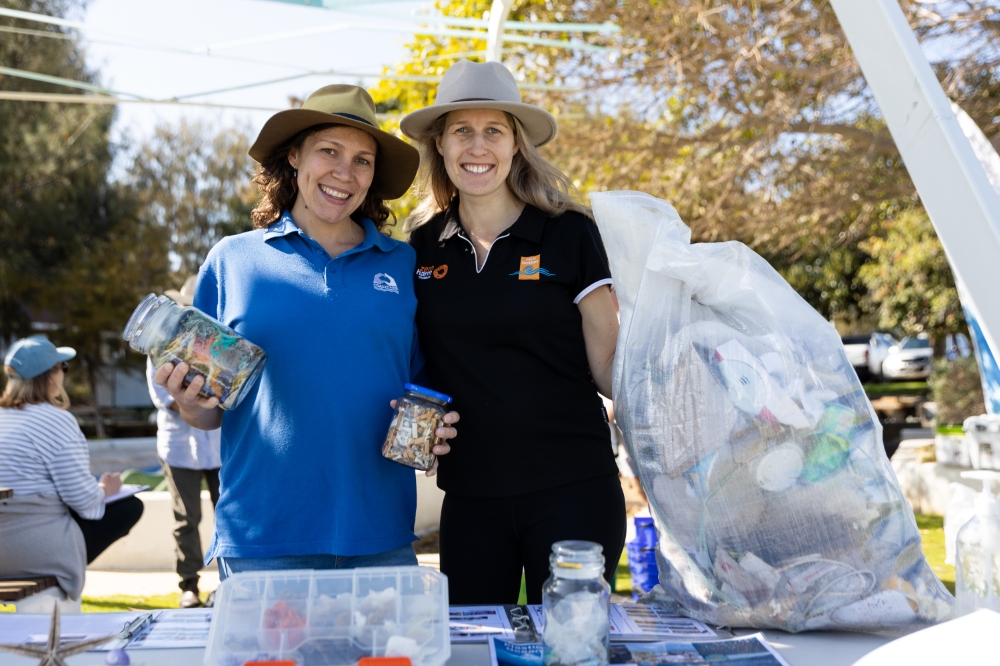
{"points": [[441, 271]]}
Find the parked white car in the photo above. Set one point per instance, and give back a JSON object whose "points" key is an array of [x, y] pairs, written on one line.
{"points": [[912, 358], [856, 349], [878, 350]]}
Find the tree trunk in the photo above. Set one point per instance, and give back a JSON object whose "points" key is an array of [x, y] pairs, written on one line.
{"points": [[98, 417], [939, 342]]}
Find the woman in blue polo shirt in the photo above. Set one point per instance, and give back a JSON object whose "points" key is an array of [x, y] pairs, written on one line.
{"points": [[303, 483], [516, 320]]}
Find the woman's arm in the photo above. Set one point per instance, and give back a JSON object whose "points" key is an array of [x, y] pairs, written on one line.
{"points": [[600, 335], [199, 412]]}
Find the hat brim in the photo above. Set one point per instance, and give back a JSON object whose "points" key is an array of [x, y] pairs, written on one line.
{"points": [[395, 167], [178, 297], [65, 353], [540, 125]]}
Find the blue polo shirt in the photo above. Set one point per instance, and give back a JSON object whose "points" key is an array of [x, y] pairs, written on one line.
{"points": [[302, 468]]}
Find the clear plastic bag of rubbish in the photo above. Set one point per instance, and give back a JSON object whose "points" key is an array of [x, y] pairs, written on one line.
{"points": [[760, 453]]}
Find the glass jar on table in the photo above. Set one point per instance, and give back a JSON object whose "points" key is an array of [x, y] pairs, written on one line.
{"points": [[576, 600]]}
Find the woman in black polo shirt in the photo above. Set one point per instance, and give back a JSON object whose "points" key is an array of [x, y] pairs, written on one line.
{"points": [[517, 268]]}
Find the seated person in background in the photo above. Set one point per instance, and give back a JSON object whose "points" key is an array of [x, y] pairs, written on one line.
{"points": [[188, 455], [57, 522]]}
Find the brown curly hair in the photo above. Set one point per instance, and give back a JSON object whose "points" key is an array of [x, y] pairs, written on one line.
{"points": [[276, 180]]}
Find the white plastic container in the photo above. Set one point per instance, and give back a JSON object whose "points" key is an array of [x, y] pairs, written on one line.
{"points": [[977, 548], [952, 450], [331, 618], [983, 433]]}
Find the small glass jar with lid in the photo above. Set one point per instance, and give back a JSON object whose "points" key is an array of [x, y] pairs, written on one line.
{"points": [[171, 333], [576, 602], [412, 433]]}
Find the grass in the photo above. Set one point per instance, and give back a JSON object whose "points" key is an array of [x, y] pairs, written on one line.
{"points": [[931, 530], [123, 602], [897, 388]]}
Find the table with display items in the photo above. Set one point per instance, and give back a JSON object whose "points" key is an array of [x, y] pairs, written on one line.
{"points": [[804, 649]]}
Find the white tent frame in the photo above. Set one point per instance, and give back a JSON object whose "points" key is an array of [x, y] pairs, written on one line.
{"points": [[950, 179]]}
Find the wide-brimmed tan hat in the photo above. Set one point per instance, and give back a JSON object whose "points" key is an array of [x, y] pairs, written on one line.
{"points": [[482, 85], [397, 160], [186, 295]]}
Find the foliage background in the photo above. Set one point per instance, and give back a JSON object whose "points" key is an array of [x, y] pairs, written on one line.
{"points": [[750, 116]]}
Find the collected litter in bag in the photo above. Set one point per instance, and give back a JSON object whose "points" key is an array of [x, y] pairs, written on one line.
{"points": [[760, 453]]}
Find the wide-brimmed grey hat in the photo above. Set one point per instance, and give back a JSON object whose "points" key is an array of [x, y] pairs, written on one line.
{"points": [[340, 104], [482, 85]]}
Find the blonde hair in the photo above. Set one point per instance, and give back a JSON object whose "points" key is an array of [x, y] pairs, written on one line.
{"points": [[20, 392], [531, 179]]}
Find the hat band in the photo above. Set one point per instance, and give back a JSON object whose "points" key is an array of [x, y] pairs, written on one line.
{"points": [[352, 117], [474, 99]]}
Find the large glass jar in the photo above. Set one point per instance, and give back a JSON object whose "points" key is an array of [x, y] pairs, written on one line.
{"points": [[576, 601], [411, 437], [170, 333]]}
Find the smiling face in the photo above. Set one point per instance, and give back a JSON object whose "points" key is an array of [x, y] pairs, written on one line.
{"points": [[336, 167], [478, 146]]}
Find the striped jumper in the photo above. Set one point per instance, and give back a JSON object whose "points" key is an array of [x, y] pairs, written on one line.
{"points": [[44, 452]]}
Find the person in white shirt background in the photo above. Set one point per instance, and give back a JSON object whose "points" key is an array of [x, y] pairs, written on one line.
{"points": [[188, 456]]}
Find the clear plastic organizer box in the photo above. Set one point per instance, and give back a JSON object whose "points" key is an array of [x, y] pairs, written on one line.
{"points": [[328, 618]]}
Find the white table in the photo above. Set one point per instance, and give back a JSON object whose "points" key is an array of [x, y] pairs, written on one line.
{"points": [[807, 649]]}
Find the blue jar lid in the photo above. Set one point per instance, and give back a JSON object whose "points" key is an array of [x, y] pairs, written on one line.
{"points": [[643, 521], [426, 391]]}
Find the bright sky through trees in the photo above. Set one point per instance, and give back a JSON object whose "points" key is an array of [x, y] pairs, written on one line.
{"points": [[160, 71]]}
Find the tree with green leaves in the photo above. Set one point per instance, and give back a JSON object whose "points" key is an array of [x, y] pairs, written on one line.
{"points": [[66, 231], [751, 117], [193, 181], [909, 284], [53, 165]]}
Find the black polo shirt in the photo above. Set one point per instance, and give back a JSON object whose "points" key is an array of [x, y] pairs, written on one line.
{"points": [[506, 342]]}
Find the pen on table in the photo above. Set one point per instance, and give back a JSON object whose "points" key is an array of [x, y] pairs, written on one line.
{"points": [[131, 630]]}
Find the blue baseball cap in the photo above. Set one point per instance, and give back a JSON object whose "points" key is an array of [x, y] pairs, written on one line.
{"points": [[32, 356]]}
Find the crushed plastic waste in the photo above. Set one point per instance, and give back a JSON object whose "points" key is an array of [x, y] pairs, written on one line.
{"points": [[576, 629], [775, 503]]}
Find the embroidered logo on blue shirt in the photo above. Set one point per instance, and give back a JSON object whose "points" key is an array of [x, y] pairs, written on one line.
{"points": [[384, 282]]}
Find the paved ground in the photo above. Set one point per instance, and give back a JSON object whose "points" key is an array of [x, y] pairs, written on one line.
{"points": [[108, 583], [141, 584]]}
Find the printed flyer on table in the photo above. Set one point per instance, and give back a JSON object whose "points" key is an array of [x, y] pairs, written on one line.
{"points": [[747, 651]]}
